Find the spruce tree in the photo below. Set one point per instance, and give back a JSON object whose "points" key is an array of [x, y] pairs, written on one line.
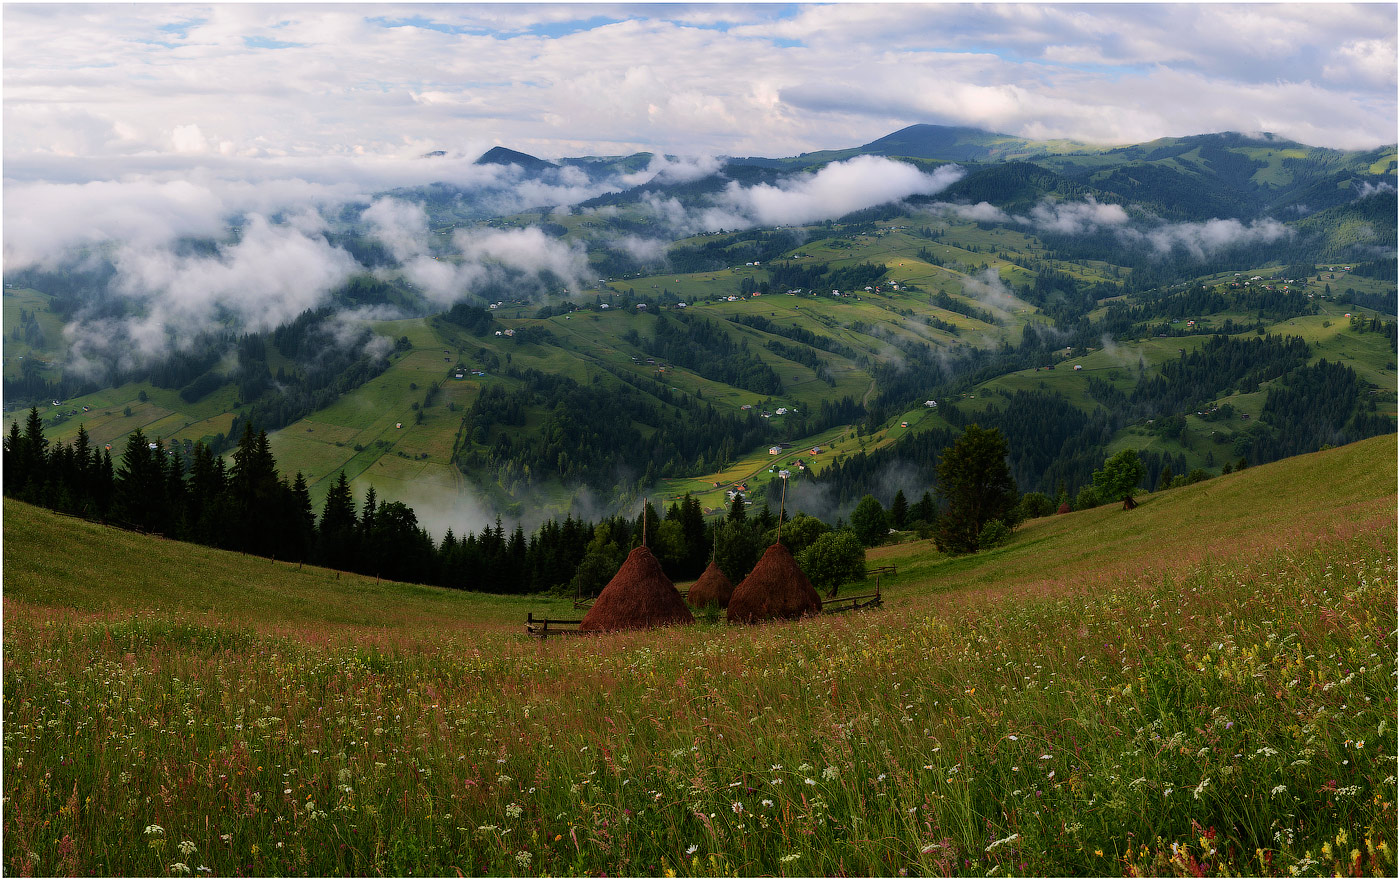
{"points": [[335, 539], [899, 510]]}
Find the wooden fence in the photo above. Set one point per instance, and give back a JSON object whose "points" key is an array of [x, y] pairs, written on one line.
{"points": [[543, 627]]}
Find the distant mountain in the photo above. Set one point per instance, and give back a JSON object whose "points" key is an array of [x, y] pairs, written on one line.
{"points": [[504, 156], [959, 144]]}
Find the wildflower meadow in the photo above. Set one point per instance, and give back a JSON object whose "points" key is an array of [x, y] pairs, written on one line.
{"points": [[1228, 709]]}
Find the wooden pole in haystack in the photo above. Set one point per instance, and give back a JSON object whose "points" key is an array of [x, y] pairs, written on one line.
{"points": [[644, 521], [781, 503]]}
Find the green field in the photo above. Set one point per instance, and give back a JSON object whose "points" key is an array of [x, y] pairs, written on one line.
{"points": [[1204, 685]]}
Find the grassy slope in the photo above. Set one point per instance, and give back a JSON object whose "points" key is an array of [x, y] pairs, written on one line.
{"points": [[1234, 645]]}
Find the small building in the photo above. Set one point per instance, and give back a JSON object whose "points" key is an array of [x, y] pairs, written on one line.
{"points": [[774, 450], [510, 332], [606, 306], [1077, 368], [641, 307], [931, 403], [782, 410], [816, 450]]}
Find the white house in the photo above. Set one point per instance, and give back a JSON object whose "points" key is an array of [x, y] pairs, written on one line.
{"points": [[930, 403], [774, 450], [782, 410]]}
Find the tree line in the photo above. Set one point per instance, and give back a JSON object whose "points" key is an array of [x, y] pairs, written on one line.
{"points": [[189, 493]]}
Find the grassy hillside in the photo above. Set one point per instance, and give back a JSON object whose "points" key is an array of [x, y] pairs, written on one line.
{"points": [[1204, 684]]}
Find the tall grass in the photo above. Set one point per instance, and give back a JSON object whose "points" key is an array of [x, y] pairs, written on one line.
{"points": [[1230, 715]]}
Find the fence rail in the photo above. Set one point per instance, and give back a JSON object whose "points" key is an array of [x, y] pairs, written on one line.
{"points": [[884, 569], [852, 603], [544, 627]]}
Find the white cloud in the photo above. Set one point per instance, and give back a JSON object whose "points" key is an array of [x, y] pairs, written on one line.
{"points": [[271, 274], [835, 190], [647, 251], [1200, 240], [402, 226], [159, 80], [1074, 218], [983, 212], [988, 289]]}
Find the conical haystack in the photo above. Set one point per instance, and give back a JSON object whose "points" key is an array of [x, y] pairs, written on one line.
{"points": [[775, 588], [713, 588], [638, 597]]}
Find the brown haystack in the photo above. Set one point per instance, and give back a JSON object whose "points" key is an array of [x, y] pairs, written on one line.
{"points": [[639, 596], [713, 588], [775, 588]]}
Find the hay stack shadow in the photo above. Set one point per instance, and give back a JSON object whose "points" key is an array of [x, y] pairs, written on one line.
{"points": [[713, 588], [776, 588], [639, 596]]}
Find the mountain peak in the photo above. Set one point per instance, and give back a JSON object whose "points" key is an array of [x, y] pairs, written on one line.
{"points": [[505, 156]]}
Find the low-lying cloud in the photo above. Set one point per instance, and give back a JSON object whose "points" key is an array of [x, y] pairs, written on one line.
{"points": [[1075, 218], [1196, 239], [837, 189], [477, 256], [1203, 239], [989, 290], [266, 277]]}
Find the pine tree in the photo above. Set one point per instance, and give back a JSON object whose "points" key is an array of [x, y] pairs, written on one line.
{"points": [[335, 539], [899, 510], [303, 532], [255, 495], [32, 459], [925, 510], [139, 484]]}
